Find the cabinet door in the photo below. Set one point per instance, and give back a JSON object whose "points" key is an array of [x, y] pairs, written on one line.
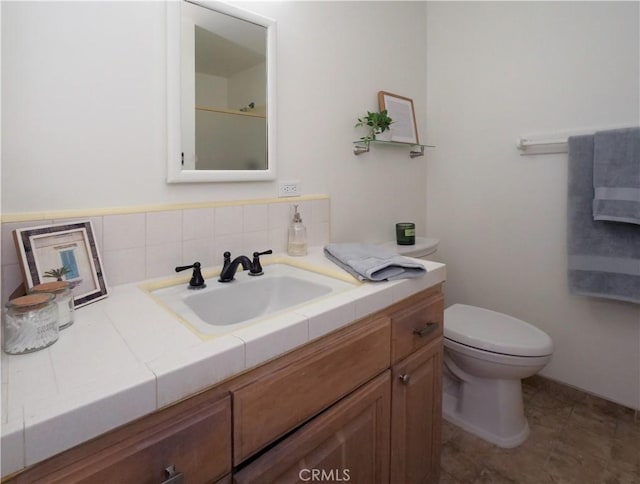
{"points": [[416, 413], [348, 442]]}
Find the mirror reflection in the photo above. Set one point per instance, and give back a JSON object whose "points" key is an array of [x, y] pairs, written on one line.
{"points": [[223, 91]]}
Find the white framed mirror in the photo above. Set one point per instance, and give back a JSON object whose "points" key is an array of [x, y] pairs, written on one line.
{"points": [[221, 85]]}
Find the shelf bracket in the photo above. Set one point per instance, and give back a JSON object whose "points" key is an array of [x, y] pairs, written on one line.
{"points": [[358, 149], [416, 150]]}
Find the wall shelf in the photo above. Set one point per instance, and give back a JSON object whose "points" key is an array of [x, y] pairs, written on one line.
{"points": [[362, 146], [258, 113]]}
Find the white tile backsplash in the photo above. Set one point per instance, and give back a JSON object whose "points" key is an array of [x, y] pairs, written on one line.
{"points": [[321, 211], [198, 250], [197, 224], [278, 238], [223, 243], [279, 215], [138, 246], [256, 218], [124, 265], [126, 231], [255, 242], [163, 259], [164, 227], [228, 220]]}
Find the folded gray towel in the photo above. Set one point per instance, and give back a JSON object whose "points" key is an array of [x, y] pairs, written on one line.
{"points": [[373, 263], [616, 175], [604, 257]]}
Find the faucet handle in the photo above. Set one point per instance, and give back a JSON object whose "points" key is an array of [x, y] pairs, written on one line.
{"points": [[227, 259], [256, 267], [258, 254], [197, 281]]}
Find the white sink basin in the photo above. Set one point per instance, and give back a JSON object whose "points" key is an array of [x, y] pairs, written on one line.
{"points": [[221, 307]]}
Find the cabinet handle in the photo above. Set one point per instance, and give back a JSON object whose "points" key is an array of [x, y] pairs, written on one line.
{"points": [[404, 378], [172, 476], [429, 328]]}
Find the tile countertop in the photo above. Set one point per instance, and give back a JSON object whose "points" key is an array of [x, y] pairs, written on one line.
{"points": [[126, 356]]}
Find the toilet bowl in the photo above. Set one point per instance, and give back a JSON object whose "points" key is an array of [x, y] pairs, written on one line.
{"points": [[486, 355]]}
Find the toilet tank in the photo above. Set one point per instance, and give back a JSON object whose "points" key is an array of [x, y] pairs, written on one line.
{"points": [[423, 247]]}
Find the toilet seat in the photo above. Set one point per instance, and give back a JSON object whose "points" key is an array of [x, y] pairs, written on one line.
{"points": [[499, 358], [494, 332]]}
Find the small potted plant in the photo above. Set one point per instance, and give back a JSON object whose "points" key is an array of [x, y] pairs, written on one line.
{"points": [[57, 273], [377, 122]]}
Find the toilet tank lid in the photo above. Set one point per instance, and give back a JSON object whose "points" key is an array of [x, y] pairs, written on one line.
{"points": [[496, 332], [423, 246]]}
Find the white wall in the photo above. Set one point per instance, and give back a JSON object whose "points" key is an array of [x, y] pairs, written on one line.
{"points": [[84, 108], [211, 90], [248, 86], [497, 71]]}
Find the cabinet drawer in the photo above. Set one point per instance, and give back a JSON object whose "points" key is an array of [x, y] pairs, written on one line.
{"points": [[416, 325], [196, 442], [266, 409]]}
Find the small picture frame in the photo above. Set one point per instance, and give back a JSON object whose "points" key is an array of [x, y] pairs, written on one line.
{"points": [[64, 252], [400, 109]]}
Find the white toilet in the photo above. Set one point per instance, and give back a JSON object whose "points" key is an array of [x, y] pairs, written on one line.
{"points": [[486, 355], [489, 353]]}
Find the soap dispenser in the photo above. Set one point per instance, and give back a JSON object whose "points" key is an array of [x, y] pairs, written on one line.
{"points": [[297, 235]]}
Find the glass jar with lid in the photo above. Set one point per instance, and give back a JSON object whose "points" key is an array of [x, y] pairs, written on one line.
{"points": [[64, 300], [30, 323]]}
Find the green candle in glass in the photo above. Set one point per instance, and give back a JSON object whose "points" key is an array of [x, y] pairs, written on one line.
{"points": [[406, 233]]}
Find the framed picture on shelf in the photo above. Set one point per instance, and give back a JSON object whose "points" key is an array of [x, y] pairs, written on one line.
{"points": [[400, 110], [64, 252]]}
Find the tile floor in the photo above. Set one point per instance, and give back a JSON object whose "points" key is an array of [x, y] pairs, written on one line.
{"points": [[575, 439]]}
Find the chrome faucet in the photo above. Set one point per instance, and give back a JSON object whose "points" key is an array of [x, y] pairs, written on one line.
{"points": [[230, 267]]}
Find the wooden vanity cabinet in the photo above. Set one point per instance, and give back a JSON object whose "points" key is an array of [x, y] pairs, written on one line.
{"points": [[362, 404]]}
